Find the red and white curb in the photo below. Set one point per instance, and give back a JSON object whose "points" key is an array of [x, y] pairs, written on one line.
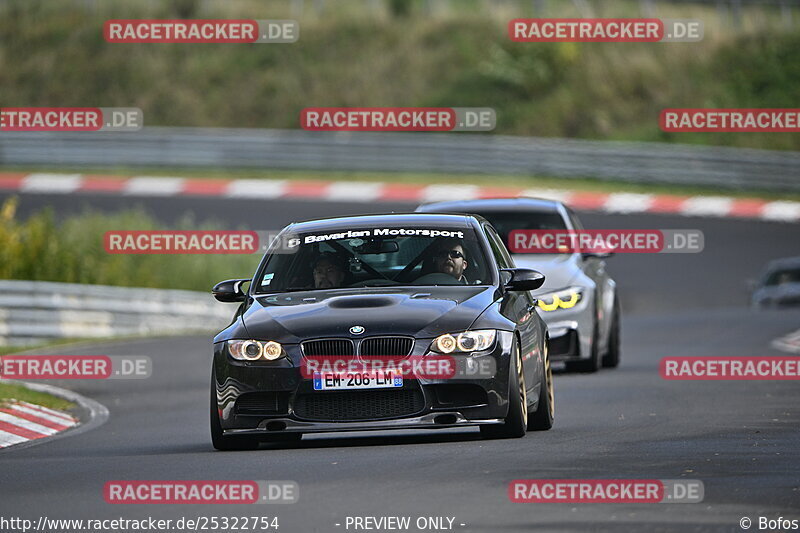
{"points": [[788, 343], [344, 191], [22, 422]]}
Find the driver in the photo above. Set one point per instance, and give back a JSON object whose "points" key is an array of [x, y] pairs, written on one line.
{"points": [[450, 258], [329, 271]]}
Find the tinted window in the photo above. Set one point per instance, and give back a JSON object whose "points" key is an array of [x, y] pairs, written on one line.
{"points": [[508, 221], [576, 223], [377, 256], [780, 277], [499, 251]]}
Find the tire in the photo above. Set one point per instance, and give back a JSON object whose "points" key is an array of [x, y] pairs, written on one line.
{"points": [[592, 364], [516, 422], [612, 356], [218, 439], [543, 418]]}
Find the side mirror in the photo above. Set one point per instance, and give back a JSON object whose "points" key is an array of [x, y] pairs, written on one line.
{"points": [[229, 290], [523, 279]]}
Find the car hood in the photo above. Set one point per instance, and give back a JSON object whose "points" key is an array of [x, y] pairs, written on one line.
{"points": [[560, 270], [421, 312]]}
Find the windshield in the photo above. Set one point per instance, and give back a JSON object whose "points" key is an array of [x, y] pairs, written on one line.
{"points": [[506, 222], [376, 257], [782, 277]]}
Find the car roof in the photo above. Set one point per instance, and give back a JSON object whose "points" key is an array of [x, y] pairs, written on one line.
{"points": [[399, 219], [535, 205], [783, 263]]}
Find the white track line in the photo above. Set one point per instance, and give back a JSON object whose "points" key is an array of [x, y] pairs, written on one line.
{"points": [[628, 203], [439, 193], [153, 186], [51, 412], [256, 189], [51, 183], [7, 439], [547, 194], [44, 416], [26, 424], [354, 191], [784, 211], [707, 205]]}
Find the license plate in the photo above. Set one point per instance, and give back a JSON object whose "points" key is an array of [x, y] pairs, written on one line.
{"points": [[357, 380]]}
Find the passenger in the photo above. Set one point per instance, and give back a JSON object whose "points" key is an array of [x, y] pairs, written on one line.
{"points": [[329, 271]]}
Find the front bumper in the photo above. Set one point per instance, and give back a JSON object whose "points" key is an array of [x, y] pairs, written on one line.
{"points": [[571, 331], [261, 398], [428, 421]]}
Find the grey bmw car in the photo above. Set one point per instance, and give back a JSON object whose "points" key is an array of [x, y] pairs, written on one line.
{"points": [[779, 284], [578, 300]]}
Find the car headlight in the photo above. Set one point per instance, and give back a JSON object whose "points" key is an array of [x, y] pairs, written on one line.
{"points": [[467, 341], [561, 299], [252, 350]]}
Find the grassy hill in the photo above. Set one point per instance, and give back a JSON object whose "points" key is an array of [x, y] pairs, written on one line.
{"points": [[53, 54]]}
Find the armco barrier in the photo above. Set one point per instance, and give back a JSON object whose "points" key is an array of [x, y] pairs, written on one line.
{"points": [[37, 311], [656, 163]]}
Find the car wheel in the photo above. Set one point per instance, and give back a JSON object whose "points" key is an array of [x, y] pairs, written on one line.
{"points": [[611, 358], [218, 439], [593, 363], [516, 422], [545, 413]]}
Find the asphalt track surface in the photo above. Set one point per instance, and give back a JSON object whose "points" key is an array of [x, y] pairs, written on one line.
{"points": [[740, 438]]}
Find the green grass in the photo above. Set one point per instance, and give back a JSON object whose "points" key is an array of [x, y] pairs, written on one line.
{"points": [[71, 250], [53, 54], [23, 394]]}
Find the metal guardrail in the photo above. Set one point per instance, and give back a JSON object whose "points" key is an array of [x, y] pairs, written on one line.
{"points": [[37, 311], [638, 162]]}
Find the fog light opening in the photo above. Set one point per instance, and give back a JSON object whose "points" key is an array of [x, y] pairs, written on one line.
{"points": [[445, 419], [276, 425]]}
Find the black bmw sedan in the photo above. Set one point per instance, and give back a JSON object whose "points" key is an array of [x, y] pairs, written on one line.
{"points": [[381, 322]]}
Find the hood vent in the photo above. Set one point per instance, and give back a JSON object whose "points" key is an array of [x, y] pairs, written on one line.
{"points": [[359, 302]]}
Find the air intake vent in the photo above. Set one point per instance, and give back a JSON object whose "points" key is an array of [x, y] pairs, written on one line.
{"points": [[360, 405], [389, 346], [256, 403], [328, 347]]}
